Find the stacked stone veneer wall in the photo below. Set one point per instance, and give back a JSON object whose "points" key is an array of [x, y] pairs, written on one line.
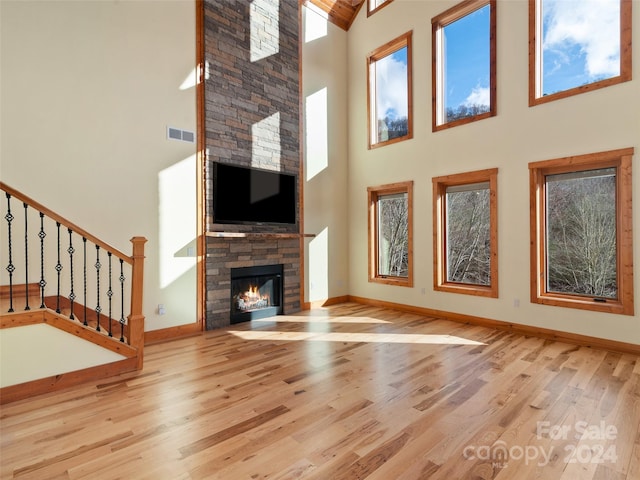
{"points": [[252, 111], [224, 255]]}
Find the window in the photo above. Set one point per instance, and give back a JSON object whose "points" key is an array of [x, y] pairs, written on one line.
{"points": [[464, 64], [576, 46], [581, 237], [374, 5], [389, 92], [391, 234], [465, 226]]}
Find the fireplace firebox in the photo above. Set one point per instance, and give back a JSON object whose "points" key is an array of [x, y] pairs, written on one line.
{"points": [[256, 292]]}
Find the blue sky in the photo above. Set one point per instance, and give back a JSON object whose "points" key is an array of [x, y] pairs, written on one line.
{"points": [[467, 59], [580, 45], [391, 83], [467, 68], [581, 42]]}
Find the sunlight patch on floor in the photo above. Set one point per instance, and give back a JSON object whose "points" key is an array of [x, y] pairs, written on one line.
{"points": [[314, 319], [356, 337]]}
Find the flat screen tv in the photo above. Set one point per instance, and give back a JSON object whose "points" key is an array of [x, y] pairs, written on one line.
{"points": [[253, 196]]}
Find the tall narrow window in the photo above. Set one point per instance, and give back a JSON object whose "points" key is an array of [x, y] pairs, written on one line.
{"points": [[464, 64], [465, 227], [581, 232], [389, 92], [576, 46], [391, 234], [374, 5]]}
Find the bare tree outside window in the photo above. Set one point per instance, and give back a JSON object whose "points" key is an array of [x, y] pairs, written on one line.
{"points": [[468, 235], [465, 225], [581, 233], [393, 237], [391, 234]]}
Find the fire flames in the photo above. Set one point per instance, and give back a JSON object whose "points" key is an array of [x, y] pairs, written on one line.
{"points": [[252, 299]]}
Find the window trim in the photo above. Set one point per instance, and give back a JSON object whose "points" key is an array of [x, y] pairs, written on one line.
{"points": [[378, 54], [373, 193], [371, 11], [440, 185], [535, 60], [437, 24], [621, 160]]}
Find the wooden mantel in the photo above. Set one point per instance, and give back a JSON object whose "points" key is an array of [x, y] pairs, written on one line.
{"points": [[258, 235]]}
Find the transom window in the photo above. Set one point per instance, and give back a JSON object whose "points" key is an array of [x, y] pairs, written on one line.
{"points": [[576, 46], [464, 64], [374, 5], [389, 92], [391, 234], [465, 224], [581, 232]]}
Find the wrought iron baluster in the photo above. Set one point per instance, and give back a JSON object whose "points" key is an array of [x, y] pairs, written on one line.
{"points": [[10, 266], [98, 308], [58, 269], [109, 293], [26, 256], [84, 278], [121, 278], [42, 282], [71, 251]]}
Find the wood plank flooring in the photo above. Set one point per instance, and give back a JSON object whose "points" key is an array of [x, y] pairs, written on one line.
{"points": [[341, 393]]}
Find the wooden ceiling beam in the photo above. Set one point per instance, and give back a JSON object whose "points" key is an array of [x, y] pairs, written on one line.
{"points": [[339, 12]]}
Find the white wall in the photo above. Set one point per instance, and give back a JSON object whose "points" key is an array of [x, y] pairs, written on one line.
{"points": [[324, 67], [88, 90], [18, 364], [601, 120]]}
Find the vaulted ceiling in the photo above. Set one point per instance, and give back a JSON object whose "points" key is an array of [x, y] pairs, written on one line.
{"points": [[339, 12]]}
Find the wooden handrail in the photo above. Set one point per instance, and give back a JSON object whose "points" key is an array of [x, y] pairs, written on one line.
{"points": [[63, 221], [136, 261], [135, 318]]}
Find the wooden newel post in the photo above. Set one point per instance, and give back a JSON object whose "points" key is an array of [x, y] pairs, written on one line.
{"points": [[136, 318]]}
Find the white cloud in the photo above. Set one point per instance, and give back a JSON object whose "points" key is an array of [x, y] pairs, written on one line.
{"points": [[391, 77], [594, 25], [478, 96]]}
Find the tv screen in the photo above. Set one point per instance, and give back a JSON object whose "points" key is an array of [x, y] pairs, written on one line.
{"points": [[249, 195]]}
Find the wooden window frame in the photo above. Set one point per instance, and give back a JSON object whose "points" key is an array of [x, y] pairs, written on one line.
{"points": [[535, 59], [379, 53], [621, 161], [373, 193], [440, 185], [371, 11], [437, 81]]}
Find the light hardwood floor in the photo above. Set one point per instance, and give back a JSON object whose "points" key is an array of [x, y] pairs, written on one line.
{"points": [[347, 392]]}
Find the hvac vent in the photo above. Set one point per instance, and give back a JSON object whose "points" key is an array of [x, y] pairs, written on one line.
{"points": [[182, 135]]}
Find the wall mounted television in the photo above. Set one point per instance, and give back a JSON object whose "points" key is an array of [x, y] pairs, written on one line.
{"points": [[245, 195]]}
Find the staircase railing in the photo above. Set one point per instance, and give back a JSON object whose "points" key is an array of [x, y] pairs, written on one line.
{"points": [[76, 274]]}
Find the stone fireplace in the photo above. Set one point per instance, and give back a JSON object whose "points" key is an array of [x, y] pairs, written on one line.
{"points": [[225, 254], [252, 115]]}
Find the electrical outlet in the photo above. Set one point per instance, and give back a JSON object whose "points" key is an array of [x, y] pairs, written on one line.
{"points": [[161, 309], [423, 291], [516, 302]]}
